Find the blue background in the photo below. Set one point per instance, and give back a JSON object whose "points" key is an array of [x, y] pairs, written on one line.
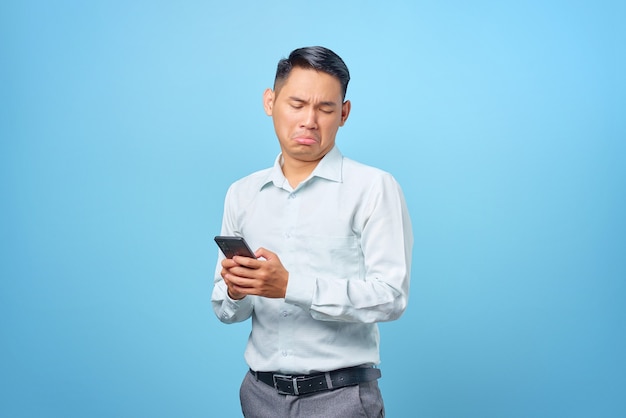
{"points": [[123, 123]]}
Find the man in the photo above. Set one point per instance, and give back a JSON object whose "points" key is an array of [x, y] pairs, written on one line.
{"points": [[334, 246]]}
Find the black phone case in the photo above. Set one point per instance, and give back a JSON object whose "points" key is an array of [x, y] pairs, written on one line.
{"points": [[232, 246]]}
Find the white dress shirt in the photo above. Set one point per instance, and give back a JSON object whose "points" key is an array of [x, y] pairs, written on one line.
{"points": [[344, 235]]}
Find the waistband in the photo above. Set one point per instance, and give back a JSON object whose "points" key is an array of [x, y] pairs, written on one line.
{"points": [[309, 383]]}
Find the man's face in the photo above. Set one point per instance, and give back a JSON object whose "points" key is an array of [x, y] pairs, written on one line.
{"points": [[307, 110]]}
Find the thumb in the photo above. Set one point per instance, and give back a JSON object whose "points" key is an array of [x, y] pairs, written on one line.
{"points": [[264, 253]]}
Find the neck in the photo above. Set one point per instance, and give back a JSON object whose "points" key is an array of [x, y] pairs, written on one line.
{"points": [[297, 171]]}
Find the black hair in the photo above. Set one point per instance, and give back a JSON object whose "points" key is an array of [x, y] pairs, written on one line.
{"points": [[317, 58]]}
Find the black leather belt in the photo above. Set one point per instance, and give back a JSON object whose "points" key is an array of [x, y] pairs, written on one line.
{"points": [[309, 383]]}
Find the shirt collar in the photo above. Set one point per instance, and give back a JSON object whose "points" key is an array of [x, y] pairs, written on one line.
{"points": [[328, 168]]}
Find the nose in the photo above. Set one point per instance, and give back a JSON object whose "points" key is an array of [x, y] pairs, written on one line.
{"points": [[309, 120]]}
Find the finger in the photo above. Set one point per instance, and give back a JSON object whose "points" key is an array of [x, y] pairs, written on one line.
{"points": [[246, 261], [228, 263], [264, 253], [238, 281]]}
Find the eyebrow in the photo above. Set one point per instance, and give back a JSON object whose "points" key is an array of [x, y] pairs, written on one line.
{"points": [[324, 103]]}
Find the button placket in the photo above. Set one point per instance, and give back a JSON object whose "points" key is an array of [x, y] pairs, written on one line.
{"points": [[284, 315]]}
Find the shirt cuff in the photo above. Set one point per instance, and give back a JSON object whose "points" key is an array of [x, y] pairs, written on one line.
{"points": [[300, 292], [236, 303], [231, 306]]}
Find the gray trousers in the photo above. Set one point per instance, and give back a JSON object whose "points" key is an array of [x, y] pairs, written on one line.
{"points": [[259, 400]]}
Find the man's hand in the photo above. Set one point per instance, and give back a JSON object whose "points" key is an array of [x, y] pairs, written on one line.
{"points": [[262, 277]]}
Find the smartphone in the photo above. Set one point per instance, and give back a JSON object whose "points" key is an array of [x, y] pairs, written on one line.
{"points": [[232, 246]]}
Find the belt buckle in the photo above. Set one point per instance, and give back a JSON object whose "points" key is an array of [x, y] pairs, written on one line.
{"points": [[290, 382]]}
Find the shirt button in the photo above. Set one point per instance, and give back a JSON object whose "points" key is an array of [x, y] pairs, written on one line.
{"points": [[292, 196], [284, 353], [285, 313]]}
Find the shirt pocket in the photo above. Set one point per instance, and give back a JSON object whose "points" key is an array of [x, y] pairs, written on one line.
{"points": [[334, 256]]}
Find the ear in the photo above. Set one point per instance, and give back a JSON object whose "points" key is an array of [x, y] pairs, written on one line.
{"points": [[345, 111], [268, 101]]}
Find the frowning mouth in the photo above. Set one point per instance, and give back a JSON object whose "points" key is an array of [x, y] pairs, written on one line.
{"points": [[305, 139]]}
